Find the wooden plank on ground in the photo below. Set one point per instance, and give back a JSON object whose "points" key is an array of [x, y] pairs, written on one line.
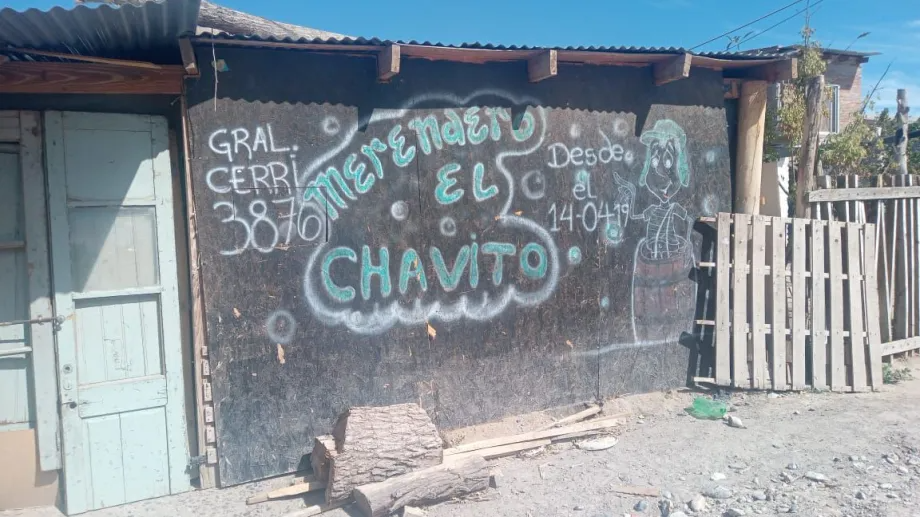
{"points": [[819, 309], [758, 312], [857, 348], [288, 491], [600, 423], [577, 417], [778, 305], [799, 314], [723, 360], [740, 365], [874, 351], [501, 450], [835, 301], [641, 491]]}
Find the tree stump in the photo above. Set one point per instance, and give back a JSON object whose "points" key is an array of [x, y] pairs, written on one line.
{"points": [[376, 443], [423, 487]]}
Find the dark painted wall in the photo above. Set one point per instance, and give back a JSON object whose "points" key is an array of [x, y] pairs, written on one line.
{"points": [[459, 238]]}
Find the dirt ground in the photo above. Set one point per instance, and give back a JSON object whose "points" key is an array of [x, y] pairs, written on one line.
{"points": [[863, 450]]}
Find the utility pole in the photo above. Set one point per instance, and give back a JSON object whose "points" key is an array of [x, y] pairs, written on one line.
{"points": [[902, 118]]}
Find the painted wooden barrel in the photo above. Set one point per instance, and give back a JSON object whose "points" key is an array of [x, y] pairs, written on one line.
{"points": [[664, 295]]}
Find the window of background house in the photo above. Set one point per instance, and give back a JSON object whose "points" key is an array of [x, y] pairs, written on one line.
{"points": [[830, 123]]}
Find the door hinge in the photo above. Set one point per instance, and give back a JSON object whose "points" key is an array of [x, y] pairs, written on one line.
{"points": [[196, 461], [205, 459]]}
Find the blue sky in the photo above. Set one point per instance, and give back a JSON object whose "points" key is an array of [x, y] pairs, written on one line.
{"points": [[894, 25]]}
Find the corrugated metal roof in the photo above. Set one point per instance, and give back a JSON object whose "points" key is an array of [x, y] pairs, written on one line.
{"points": [[793, 50], [148, 31], [491, 46]]}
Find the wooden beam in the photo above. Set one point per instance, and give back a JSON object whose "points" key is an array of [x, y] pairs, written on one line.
{"points": [[752, 111], [732, 88], [32, 77], [86, 59], [775, 72], [900, 346], [863, 194], [388, 63], [674, 69], [188, 57], [542, 65]]}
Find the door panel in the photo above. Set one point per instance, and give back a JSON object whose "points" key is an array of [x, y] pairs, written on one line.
{"points": [[116, 284]]}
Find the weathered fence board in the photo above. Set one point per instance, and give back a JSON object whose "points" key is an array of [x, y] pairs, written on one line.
{"points": [[892, 202], [740, 354], [723, 368], [799, 308], [765, 335]]}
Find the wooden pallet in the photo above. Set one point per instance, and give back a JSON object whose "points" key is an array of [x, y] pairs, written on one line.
{"points": [[796, 304]]}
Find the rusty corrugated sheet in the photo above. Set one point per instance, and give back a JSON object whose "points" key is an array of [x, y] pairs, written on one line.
{"points": [[147, 32]]}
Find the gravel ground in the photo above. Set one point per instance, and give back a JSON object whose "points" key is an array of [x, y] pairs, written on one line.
{"points": [[810, 454]]}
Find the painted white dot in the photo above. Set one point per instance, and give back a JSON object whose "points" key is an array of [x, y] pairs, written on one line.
{"points": [[295, 148], [574, 131], [710, 156], [629, 157], [331, 125], [620, 127], [399, 210], [448, 226]]}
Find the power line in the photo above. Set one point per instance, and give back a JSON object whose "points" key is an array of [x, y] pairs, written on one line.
{"points": [[775, 25], [720, 36]]}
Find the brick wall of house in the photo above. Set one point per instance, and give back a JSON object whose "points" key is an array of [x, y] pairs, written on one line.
{"points": [[847, 74]]}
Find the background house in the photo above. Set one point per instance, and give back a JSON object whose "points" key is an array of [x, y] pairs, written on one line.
{"points": [[844, 78]]}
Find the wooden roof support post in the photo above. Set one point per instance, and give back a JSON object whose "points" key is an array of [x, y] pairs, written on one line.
{"points": [[188, 57], [388, 63], [542, 65], [673, 69], [752, 112]]}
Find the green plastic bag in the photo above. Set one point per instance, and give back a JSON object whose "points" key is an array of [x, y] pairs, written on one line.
{"points": [[707, 409]]}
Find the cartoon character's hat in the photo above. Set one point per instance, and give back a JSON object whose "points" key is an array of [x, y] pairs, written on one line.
{"points": [[661, 132]]}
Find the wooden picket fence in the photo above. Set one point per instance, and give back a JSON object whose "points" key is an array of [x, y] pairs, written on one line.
{"points": [[892, 203], [825, 335]]}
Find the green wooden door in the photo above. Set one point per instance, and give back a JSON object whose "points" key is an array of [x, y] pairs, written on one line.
{"points": [[115, 284]]}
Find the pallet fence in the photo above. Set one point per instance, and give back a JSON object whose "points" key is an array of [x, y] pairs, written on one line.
{"points": [[892, 203], [796, 304]]}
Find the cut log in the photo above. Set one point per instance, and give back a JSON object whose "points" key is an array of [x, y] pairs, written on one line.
{"points": [[423, 487], [323, 452], [591, 425], [376, 443], [577, 417], [288, 491]]}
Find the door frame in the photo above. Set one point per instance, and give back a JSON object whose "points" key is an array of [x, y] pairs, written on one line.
{"points": [[74, 455], [27, 137]]}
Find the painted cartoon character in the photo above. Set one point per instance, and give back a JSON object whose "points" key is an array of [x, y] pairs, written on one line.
{"points": [[663, 294]]}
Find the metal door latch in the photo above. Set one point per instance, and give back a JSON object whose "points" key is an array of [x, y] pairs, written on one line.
{"points": [[56, 321]]}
